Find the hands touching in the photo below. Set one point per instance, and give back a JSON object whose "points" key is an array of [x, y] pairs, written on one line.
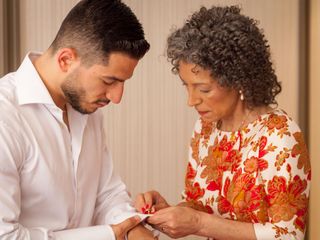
{"points": [[175, 222], [134, 230], [150, 202]]}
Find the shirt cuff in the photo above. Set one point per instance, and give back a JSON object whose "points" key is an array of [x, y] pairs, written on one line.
{"points": [[93, 233], [120, 214]]}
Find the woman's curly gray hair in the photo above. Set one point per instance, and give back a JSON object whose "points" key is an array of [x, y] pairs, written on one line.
{"points": [[232, 47]]}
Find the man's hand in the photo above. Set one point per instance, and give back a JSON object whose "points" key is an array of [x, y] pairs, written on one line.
{"points": [[151, 201], [140, 233], [120, 230]]}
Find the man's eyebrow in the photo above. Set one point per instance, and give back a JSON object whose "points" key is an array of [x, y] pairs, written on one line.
{"points": [[113, 78]]}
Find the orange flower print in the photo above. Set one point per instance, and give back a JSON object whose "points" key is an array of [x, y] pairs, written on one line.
{"points": [[195, 147], [198, 205], [301, 149], [251, 165], [221, 157], [242, 198], [234, 158], [276, 121], [287, 201], [263, 147], [281, 158], [211, 163], [279, 123], [214, 185], [254, 164], [259, 174], [206, 131], [194, 192], [282, 231], [206, 128], [288, 168], [191, 173]]}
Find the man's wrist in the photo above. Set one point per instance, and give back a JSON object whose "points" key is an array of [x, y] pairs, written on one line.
{"points": [[139, 231]]}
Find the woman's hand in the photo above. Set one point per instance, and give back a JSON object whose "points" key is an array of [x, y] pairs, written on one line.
{"points": [[177, 222], [150, 202]]}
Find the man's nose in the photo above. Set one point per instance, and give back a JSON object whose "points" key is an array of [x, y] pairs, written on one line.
{"points": [[115, 93]]}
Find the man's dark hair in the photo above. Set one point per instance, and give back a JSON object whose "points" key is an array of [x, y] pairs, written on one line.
{"points": [[232, 47], [96, 28]]}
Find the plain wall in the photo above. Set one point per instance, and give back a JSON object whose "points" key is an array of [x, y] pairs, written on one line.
{"points": [[2, 39], [314, 117]]}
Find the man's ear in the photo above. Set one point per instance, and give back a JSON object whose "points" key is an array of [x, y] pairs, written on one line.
{"points": [[66, 58]]}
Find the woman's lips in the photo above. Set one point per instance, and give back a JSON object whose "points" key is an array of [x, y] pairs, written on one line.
{"points": [[202, 113]]}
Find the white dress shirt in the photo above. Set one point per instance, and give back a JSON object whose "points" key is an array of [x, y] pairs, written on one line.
{"points": [[54, 183]]}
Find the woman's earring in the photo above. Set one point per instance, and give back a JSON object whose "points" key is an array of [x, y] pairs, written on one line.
{"points": [[241, 95]]}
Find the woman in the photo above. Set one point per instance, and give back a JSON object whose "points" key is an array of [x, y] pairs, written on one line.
{"points": [[248, 174]]}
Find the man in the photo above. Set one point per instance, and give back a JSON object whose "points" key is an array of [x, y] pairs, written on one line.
{"points": [[56, 176]]}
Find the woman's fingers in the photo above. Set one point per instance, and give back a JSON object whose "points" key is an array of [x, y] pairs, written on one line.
{"points": [[140, 202], [145, 202]]}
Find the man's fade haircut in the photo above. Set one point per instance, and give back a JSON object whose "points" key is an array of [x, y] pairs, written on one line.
{"points": [[96, 28]]}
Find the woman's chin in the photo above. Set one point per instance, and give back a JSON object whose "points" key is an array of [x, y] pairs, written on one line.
{"points": [[207, 119]]}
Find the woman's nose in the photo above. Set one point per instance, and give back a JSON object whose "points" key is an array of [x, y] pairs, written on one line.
{"points": [[193, 99]]}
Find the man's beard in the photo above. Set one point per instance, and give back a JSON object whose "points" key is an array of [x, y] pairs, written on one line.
{"points": [[74, 95]]}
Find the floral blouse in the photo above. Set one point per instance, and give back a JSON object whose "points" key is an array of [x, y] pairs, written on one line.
{"points": [[259, 174]]}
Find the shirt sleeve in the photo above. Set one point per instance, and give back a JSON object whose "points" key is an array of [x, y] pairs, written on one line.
{"points": [[286, 181], [12, 152], [113, 203], [92, 233]]}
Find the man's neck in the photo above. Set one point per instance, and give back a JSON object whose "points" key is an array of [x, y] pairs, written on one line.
{"points": [[48, 72]]}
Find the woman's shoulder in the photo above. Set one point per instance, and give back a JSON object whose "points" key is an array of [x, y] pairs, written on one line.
{"points": [[278, 121], [274, 122], [279, 129]]}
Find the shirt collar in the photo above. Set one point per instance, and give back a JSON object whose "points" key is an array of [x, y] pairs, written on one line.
{"points": [[30, 87]]}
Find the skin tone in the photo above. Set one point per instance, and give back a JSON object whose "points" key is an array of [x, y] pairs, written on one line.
{"points": [[87, 88], [213, 103]]}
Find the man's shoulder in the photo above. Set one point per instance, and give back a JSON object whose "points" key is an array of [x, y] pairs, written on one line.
{"points": [[8, 99], [8, 88]]}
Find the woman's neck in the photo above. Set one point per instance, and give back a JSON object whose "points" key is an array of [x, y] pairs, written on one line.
{"points": [[241, 117]]}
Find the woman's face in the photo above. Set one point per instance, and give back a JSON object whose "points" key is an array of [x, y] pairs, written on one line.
{"points": [[212, 101]]}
